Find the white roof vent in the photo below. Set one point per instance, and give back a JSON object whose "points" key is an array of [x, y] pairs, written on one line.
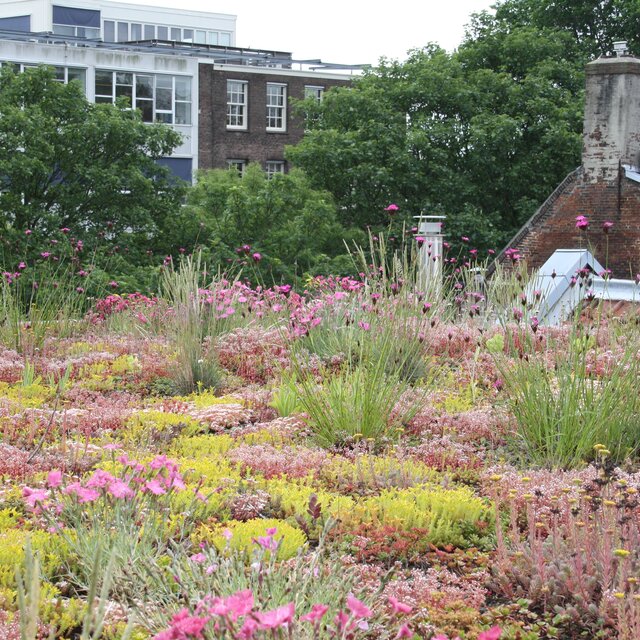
{"points": [[620, 48]]}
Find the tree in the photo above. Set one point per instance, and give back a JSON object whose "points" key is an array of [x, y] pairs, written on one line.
{"points": [[280, 228], [67, 163], [482, 135]]}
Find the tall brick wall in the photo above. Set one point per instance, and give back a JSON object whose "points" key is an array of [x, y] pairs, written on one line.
{"points": [[256, 144], [554, 224]]}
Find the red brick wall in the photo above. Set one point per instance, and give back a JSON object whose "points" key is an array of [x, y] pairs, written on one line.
{"points": [[217, 144], [554, 225]]}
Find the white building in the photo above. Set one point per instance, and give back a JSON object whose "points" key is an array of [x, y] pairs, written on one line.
{"points": [[117, 21]]}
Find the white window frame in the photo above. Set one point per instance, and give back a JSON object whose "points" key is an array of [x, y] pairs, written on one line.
{"points": [[314, 91], [237, 104], [273, 167], [156, 112], [238, 164], [276, 106]]}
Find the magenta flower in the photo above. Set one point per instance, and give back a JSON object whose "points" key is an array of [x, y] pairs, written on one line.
{"points": [[54, 478], [22, 265], [404, 632], [317, 613], [155, 487], [492, 634], [257, 257], [358, 609], [65, 229], [45, 254], [113, 284], [399, 607], [33, 496], [420, 240], [28, 232], [120, 489], [582, 223], [606, 226], [278, 617], [392, 208]]}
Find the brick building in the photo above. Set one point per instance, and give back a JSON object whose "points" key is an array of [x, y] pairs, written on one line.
{"points": [[246, 114], [606, 187], [231, 105]]}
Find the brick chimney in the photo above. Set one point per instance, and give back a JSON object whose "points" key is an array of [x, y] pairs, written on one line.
{"points": [[612, 116]]}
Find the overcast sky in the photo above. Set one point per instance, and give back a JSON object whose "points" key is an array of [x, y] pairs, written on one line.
{"points": [[345, 31]]}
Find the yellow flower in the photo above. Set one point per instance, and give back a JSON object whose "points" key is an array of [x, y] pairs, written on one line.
{"points": [[621, 553], [619, 595]]}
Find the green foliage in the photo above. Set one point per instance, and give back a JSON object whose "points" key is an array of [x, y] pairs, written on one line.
{"points": [[563, 411], [293, 226], [484, 133], [69, 164]]}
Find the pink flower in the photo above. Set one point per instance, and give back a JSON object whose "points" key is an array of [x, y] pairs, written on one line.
{"points": [[22, 265], [399, 607], [28, 232], [227, 534], [278, 617], [271, 531], [317, 613], [183, 624], [45, 254], [83, 494], [65, 229], [392, 208], [606, 226], [582, 222], [54, 478], [33, 496], [492, 634], [257, 257], [120, 489], [404, 632], [113, 284], [240, 603], [364, 325], [358, 608], [155, 487], [198, 558]]}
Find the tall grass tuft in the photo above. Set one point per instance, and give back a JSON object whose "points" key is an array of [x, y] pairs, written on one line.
{"points": [[193, 322], [565, 408]]}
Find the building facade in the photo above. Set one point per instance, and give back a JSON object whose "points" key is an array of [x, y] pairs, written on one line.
{"points": [[231, 105]]}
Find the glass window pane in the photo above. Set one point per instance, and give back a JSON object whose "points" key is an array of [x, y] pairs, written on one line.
{"points": [[136, 31], [109, 31], [78, 75], [224, 39], [167, 118], [183, 88], [59, 71], [163, 99], [81, 32], [149, 32], [92, 33], [123, 31], [104, 83], [164, 82], [176, 34], [183, 113], [144, 87], [63, 30], [163, 33], [124, 91], [124, 78], [146, 108], [213, 37], [201, 37], [187, 35]]}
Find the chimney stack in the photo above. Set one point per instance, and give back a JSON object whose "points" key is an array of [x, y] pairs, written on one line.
{"points": [[612, 115]]}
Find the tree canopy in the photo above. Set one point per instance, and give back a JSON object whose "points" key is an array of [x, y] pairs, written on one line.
{"points": [[483, 134], [68, 164]]}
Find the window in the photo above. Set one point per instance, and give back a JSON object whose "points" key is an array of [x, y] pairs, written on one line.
{"points": [[276, 107], [316, 94], [313, 92], [159, 98], [75, 31], [123, 31], [163, 33], [238, 165], [274, 166], [136, 31], [149, 32], [225, 39], [236, 104]]}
